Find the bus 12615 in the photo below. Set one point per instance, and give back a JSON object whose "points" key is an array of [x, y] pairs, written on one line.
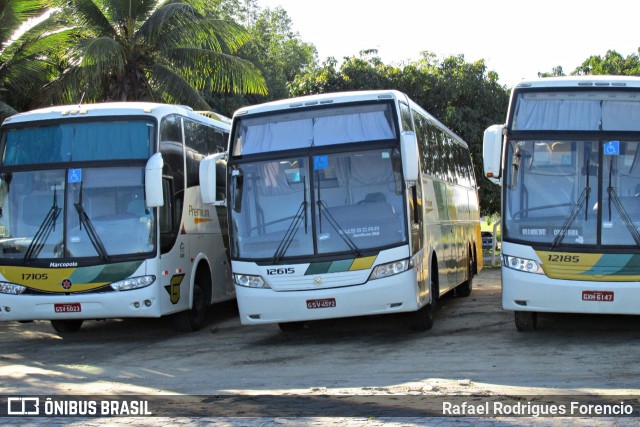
{"points": [[568, 160], [348, 204], [101, 215]]}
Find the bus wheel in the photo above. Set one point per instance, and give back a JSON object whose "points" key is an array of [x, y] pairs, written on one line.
{"points": [[464, 289], [526, 321], [291, 326], [63, 326], [422, 320], [192, 320]]}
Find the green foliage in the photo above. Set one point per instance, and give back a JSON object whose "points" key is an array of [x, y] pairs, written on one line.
{"points": [[274, 48], [27, 57], [166, 51], [613, 63], [464, 96], [555, 72]]}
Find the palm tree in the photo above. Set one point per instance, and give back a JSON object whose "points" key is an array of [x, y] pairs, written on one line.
{"points": [[166, 51], [28, 37]]}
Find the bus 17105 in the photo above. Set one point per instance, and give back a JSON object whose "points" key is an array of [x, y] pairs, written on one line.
{"points": [[101, 215], [568, 160], [348, 204]]}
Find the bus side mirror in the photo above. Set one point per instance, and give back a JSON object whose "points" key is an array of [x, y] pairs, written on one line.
{"points": [[209, 179], [410, 156], [153, 181], [492, 152]]}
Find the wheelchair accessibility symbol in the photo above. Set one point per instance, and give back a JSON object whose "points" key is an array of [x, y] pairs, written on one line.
{"points": [[612, 148], [74, 176]]}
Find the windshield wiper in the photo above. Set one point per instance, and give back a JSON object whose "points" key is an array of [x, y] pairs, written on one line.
{"points": [[43, 232], [91, 231], [572, 216], [613, 197], [332, 221], [584, 196], [293, 228]]}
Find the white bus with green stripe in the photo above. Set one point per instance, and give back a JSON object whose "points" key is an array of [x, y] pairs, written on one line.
{"points": [[101, 215], [568, 160], [348, 204]]}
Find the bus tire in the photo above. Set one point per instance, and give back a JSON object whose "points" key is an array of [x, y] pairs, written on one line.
{"points": [[193, 319], [62, 326], [526, 321], [465, 288], [291, 326], [422, 319]]}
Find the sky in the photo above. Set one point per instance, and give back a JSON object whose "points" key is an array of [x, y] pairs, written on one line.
{"points": [[516, 38]]}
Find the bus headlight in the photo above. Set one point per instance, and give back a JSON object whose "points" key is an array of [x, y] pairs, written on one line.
{"points": [[133, 283], [11, 288], [249, 281], [389, 269], [522, 264]]}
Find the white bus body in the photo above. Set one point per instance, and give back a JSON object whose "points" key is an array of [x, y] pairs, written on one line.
{"points": [[101, 215], [348, 204], [568, 160]]}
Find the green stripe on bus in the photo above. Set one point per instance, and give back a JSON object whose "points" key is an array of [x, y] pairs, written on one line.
{"points": [[318, 268]]}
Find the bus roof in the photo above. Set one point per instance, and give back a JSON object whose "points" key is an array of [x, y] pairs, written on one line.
{"points": [[581, 81], [113, 109], [321, 99]]}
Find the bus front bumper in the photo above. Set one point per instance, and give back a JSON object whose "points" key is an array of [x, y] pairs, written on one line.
{"points": [[134, 303], [383, 296], [536, 292]]}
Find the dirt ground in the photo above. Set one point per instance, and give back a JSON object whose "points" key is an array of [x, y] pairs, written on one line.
{"points": [[473, 348]]}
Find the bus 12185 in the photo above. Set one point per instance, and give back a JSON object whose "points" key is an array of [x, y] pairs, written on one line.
{"points": [[568, 160], [348, 204], [101, 215]]}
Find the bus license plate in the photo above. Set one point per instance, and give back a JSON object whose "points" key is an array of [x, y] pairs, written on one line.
{"points": [[321, 303], [606, 296], [73, 307]]}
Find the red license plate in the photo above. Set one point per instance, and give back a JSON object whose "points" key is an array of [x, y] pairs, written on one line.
{"points": [[73, 307], [321, 303], [606, 296]]}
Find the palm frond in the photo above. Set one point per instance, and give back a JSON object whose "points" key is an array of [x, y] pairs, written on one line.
{"points": [[68, 89], [26, 75], [124, 11], [229, 35], [217, 71], [172, 88], [14, 13], [167, 24], [102, 55], [6, 110], [88, 14]]}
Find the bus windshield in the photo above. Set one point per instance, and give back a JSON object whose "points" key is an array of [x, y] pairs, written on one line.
{"points": [[74, 213], [573, 192], [317, 205], [66, 214]]}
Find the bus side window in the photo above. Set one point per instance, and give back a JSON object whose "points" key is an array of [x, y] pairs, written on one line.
{"points": [[405, 117], [220, 141], [167, 222]]}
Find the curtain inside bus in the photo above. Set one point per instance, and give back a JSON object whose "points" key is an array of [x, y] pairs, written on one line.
{"points": [[78, 142], [539, 113], [313, 128]]}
